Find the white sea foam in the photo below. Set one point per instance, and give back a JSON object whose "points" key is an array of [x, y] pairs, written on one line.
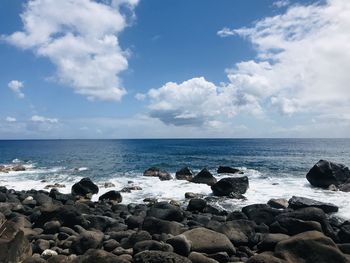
{"points": [[262, 188]]}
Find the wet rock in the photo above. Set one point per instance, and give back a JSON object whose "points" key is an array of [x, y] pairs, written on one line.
{"points": [[85, 187], [297, 202], [18, 168], [159, 257], [196, 204], [279, 203], [270, 241], [184, 174], [113, 195], [261, 213], [189, 195], [56, 185], [230, 185], [344, 233], [108, 185], [204, 177], [324, 173], [208, 241], [227, 170], [157, 172]]}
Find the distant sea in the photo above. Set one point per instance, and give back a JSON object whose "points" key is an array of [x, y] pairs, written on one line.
{"points": [[276, 167]]}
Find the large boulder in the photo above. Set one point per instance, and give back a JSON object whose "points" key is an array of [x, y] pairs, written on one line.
{"points": [[227, 170], [231, 185], [184, 174], [166, 211], [204, 177], [208, 241], [112, 195], [297, 202], [85, 187], [157, 172], [159, 226], [87, 240], [14, 246], [325, 173]]}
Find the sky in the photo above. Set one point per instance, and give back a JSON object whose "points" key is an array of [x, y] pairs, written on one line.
{"points": [[81, 69]]}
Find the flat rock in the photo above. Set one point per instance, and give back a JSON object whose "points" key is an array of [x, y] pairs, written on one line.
{"points": [[297, 202]]}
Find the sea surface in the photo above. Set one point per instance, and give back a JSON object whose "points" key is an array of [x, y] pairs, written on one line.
{"points": [[276, 167]]}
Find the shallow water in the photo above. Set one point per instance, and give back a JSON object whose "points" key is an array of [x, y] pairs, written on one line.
{"points": [[275, 167]]}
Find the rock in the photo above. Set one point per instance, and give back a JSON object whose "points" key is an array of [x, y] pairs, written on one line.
{"points": [[87, 240], [297, 202], [156, 172], [208, 241], [344, 233], [40, 245], [166, 211], [344, 187], [324, 173], [56, 185], [113, 195], [261, 213], [128, 189], [196, 257], [189, 195], [108, 185], [52, 227], [204, 177], [99, 256], [158, 226], [159, 257], [332, 187], [134, 221], [270, 241], [196, 204], [295, 226], [85, 187], [151, 245], [227, 170], [310, 247], [180, 244], [14, 246], [266, 257], [47, 253], [18, 168], [239, 232], [279, 203], [184, 174], [230, 185], [221, 257], [110, 245]]}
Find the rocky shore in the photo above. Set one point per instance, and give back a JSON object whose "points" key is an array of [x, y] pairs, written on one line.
{"points": [[49, 226]]}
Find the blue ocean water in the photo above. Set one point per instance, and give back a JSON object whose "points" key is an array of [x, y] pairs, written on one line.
{"points": [[275, 167]]}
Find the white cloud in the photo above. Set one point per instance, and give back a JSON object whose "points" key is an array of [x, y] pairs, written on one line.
{"points": [[198, 102], [37, 118], [10, 119], [80, 37], [302, 64], [16, 86], [140, 96], [281, 3]]}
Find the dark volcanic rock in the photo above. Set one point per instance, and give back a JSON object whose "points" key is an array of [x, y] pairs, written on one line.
{"points": [[151, 245], [325, 173], [157, 172], [196, 204], [208, 241], [159, 257], [85, 187], [297, 202], [166, 211], [270, 241], [227, 170], [231, 185], [261, 213], [87, 240], [180, 244], [184, 174], [159, 226], [279, 203], [112, 196], [99, 256], [204, 177]]}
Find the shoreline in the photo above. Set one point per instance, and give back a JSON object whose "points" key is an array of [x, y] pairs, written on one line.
{"points": [[48, 226]]}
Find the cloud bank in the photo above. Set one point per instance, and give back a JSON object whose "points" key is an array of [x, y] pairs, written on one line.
{"points": [[301, 66], [80, 37]]}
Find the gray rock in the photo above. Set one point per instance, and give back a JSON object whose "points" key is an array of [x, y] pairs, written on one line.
{"points": [[204, 177], [159, 257], [231, 185], [297, 202]]}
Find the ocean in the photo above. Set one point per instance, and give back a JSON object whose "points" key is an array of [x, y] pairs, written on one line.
{"points": [[276, 168]]}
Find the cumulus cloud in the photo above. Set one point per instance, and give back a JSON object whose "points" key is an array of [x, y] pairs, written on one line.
{"points": [[80, 37], [16, 86], [281, 3], [37, 118], [301, 66], [10, 119]]}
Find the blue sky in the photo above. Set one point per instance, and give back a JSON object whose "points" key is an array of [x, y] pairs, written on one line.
{"points": [[163, 69]]}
